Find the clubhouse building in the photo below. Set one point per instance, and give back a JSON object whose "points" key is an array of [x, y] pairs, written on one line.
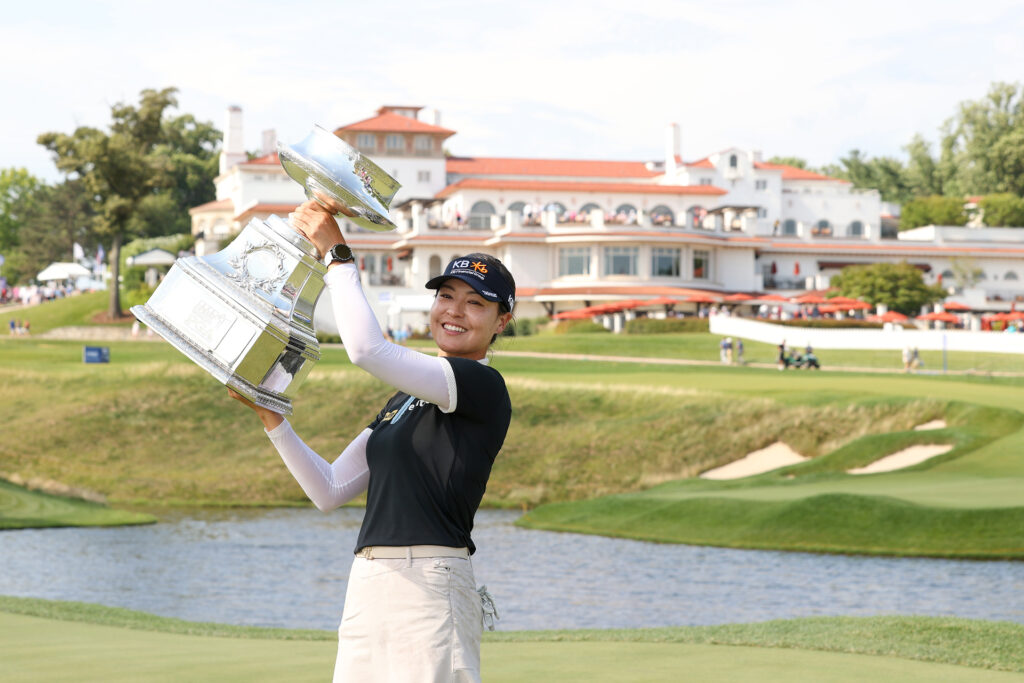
{"points": [[583, 232]]}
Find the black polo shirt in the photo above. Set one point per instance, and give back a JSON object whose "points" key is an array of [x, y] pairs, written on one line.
{"points": [[429, 469]]}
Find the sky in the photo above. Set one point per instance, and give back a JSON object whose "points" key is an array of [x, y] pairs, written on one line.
{"points": [[574, 79]]}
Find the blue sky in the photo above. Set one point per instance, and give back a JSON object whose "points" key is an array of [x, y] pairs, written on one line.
{"points": [[595, 79]]}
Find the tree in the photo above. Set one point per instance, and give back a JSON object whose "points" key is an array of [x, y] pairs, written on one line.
{"points": [[143, 175], [900, 286], [934, 210], [885, 174], [19, 190], [58, 217], [795, 162], [1003, 210], [983, 144]]}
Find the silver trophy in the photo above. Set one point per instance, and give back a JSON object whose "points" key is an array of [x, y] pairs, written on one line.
{"points": [[245, 314]]}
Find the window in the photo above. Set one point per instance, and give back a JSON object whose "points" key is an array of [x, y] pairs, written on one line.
{"points": [[434, 267], [517, 207], [856, 229], [822, 228], [367, 141], [394, 142], [762, 213], [789, 227], [423, 176], [662, 215], [665, 262], [587, 208], [695, 216], [1010, 275], [424, 143], [701, 264], [557, 207], [705, 181], [760, 184], [733, 161], [620, 260], [626, 214], [480, 215], [573, 261]]}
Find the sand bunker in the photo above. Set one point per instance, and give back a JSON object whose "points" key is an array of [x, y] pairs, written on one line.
{"points": [[905, 458], [934, 424], [773, 457]]}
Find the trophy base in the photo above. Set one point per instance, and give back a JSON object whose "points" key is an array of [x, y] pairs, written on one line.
{"points": [[223, 374]]}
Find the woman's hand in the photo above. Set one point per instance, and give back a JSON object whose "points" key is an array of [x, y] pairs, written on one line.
{"points": [[317, 224], [268, 417]]}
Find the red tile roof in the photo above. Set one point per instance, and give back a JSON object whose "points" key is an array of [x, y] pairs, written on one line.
{"points": [[389, 122], [700, 163], [561, 186], [794, 173], [218, 205], [552, 167], [265, 159]]}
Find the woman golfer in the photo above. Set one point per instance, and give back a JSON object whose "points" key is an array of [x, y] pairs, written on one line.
{"points": [[412, 610]]}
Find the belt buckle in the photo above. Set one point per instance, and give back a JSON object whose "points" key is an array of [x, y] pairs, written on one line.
{"points": [[366, 553]]}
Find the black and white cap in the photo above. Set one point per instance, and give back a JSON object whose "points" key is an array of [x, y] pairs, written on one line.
{"points": [[481, 276]]}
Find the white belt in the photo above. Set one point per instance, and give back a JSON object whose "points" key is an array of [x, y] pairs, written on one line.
{"points": [[409, 552]]}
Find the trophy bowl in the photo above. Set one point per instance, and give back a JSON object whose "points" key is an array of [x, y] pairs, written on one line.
{"points": [[245, 314], [324, 163]]}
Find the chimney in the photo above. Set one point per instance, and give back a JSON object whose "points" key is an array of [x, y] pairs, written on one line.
{"points": [[269, 142], [233, 150], [672, 148]]}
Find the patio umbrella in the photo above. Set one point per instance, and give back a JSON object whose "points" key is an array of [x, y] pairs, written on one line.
{"points": [[852, 305], [737, 297], [578, 314], [940, 316], [892, 317], [955, 306], [701, 299], [771, 297], [810, 298], [662, 301]]}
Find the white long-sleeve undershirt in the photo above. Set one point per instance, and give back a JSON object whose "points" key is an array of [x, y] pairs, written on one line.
{"points": [[429, 378]]}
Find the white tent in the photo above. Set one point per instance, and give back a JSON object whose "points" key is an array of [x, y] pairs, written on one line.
{"points": [[62, 271], [153, 257]]}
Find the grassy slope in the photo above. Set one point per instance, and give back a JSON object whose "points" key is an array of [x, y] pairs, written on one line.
{"points": [[968, 503], [20, 508], [152, 427], [70, 312], [57, 641]]}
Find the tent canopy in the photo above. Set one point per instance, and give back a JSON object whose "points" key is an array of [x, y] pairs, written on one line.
{"points": [[62, 271]]}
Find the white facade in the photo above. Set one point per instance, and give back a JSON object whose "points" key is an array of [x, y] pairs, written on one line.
{"points": [[579, 232]]}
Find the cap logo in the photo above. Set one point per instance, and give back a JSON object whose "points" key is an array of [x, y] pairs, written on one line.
{"points": [[460, 264], [479, 267]]}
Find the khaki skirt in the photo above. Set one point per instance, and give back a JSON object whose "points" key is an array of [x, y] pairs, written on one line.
{"points": [[410, 620]]}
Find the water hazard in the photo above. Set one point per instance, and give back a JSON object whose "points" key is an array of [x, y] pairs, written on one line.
{"points": [[288, 568]]}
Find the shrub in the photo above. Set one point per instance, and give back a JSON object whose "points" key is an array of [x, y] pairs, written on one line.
{"points": [[578, 327], [829, 323], [524, 327], [658, 326]]}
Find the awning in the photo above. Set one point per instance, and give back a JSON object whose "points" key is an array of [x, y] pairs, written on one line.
{"points": [[62, 271]]}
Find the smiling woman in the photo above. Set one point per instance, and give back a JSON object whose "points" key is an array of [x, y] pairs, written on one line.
{"points": [[412, 609]]}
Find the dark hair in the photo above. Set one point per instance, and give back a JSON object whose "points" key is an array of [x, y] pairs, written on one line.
{"points": [[502, 270], [495, 262]]}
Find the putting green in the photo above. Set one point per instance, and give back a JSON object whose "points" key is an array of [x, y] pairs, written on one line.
{"points": [[37, 649]]}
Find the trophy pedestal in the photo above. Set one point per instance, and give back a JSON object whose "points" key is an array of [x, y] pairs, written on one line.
{"points": [[245, 314]]}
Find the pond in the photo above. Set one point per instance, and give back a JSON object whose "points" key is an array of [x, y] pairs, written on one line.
{"points": [[289, 567]]}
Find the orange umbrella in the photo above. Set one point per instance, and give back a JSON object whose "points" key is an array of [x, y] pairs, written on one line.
{"points": [[578, 314], [941, 316], [738, 296], [955, 306], [661, 301], [701, 299], [810, 298], [771, 297], [892, 317]]}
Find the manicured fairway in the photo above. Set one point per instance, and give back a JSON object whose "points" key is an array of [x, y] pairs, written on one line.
{"points": [[37, 649], [21, 508]]}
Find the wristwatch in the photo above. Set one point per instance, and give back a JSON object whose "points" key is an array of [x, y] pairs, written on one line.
{"points": [[339, 253]]}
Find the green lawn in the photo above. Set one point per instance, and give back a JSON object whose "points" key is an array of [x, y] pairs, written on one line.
{"points": [[56, 641], [20, 508]]}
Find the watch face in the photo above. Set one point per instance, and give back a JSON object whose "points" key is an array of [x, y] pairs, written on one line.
{"points": [[341, 252]]}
